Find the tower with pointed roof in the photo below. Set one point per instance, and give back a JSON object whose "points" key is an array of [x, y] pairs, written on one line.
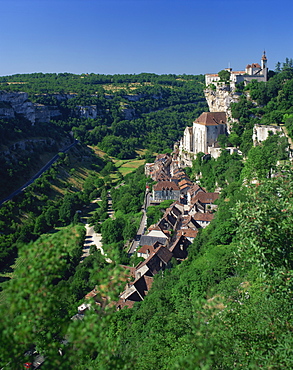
{"points": [[264, 60]]}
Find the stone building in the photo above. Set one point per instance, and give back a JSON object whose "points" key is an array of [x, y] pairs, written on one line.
{"points": [[202, 136], [252, 71], [164, 190]]}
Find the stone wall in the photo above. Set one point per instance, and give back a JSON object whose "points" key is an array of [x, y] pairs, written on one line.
{"points": [[261, 132]]}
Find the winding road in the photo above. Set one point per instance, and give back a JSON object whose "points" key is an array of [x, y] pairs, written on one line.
{"points": [[38, 174]]}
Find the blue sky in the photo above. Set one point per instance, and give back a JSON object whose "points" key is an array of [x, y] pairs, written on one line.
{"points": [[134, 36]]}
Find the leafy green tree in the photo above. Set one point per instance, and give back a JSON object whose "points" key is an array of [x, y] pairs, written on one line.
{"points": [[264, 224], [224, 76], [112, 230], [262, 159]]}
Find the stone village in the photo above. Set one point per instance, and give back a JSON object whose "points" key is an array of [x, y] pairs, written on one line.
{"points": [[193, 207]]}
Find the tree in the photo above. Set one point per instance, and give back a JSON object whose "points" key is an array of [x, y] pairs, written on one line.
{"points": [[264, 224], [112, 230], [224, 76], [263, 158]]}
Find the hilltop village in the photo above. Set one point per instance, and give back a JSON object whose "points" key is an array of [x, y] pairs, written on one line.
{"points": [[132, 258], [170, 237], [193, 207]]}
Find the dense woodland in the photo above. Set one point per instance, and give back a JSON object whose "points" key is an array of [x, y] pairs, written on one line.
{"points": [[160, 108], [229, 305]]}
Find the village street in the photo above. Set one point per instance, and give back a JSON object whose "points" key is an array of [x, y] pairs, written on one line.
{"points": [[92, 238], [142, 226]]}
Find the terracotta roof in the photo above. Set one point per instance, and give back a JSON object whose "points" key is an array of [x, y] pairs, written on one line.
{"points": [[91, 294], [255, 65], [186, 220], [164, 254], [124, 303], [164, 185], [149, 281], [188, 233], [184, 182], [182, 187], [155, 227], [203, 216], [176, 211], [205, 197], [211, 118], [195, 188], [162, 156], [145, 248], [180, 239]]}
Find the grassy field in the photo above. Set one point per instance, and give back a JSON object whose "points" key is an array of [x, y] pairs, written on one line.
{"points": [[128, 166], [124, 166]]}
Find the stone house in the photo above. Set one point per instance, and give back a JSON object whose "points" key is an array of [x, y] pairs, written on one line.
{"points": [[262, 132], [179, 247], [154, 236], [204, 202], [188, 222], [165, 190], [170, 218], [203, 219], [135, 292], [146, 250], [192, 191], [189, 234], [156, 262]]}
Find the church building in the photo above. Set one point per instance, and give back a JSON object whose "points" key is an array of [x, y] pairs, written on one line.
{"points": [[203, 136]]}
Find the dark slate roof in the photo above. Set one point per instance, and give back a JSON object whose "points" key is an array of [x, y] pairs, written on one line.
{"points": [[151, 240], [164, 254]]}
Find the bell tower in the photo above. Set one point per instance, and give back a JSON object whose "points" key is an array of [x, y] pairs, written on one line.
{"points": [[264, 66]]}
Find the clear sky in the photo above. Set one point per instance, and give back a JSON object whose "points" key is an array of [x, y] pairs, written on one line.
{"points": [[134, 36]]}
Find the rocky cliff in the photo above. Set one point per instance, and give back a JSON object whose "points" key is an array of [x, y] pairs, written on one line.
{"points": [[17, 103], [219, 100]]}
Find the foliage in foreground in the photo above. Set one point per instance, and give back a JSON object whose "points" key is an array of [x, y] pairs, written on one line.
{"points": [[227, 306]]}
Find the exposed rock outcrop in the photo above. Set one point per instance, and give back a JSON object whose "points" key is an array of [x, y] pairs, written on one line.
{"points": [[219, 100], [262, 132], [17, 103], [88, 111]]}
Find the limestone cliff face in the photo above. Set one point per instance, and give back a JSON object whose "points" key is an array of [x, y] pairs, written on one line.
{"points": [[87, 111], [17, 103], [219, 100]]}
